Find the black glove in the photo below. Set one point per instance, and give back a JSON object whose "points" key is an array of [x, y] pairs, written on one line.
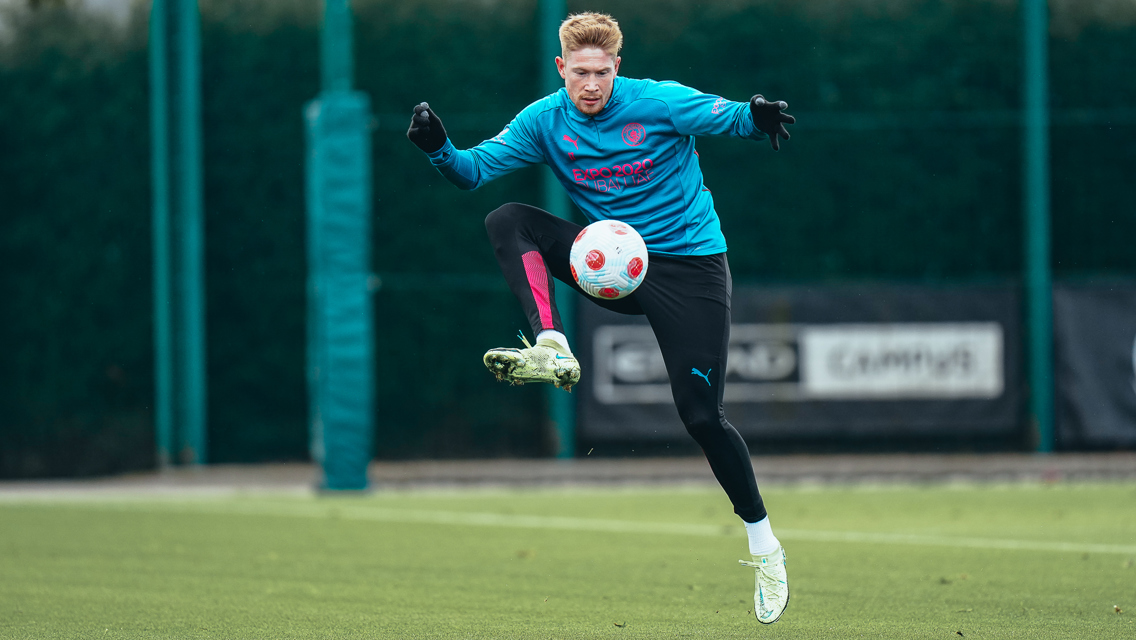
{"points": [[426, 129], [767, 117]]}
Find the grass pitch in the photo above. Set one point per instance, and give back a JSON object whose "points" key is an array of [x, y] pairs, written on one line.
{"points": [[1021, 561]]}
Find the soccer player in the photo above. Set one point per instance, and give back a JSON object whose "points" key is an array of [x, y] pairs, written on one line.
{"points": [[624, 150]]}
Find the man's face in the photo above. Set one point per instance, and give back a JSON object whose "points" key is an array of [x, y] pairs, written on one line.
{"points": [[589, 74]]}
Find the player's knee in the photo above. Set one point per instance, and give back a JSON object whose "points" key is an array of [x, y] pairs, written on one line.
{"points": [[503, 217], [702, 424]]}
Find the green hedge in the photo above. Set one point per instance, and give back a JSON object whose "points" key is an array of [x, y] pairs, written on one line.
{"points": [[902, 167]]}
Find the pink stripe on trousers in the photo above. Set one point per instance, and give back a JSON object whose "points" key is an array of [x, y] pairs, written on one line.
{"points": [[538, 282]]}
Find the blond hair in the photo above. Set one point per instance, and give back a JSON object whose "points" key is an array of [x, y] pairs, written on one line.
{"points": [[590, 30]]}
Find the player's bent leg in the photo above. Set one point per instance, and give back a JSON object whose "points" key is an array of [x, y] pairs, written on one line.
{"points": [[525, 241], [532, 247], [546, 361]]}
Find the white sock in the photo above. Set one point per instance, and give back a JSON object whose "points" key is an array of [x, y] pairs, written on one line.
{"points": [[555, 336], [761, 539]]}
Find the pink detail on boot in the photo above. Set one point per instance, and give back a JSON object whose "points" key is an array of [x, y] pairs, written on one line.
{"points": [[538, 282]]}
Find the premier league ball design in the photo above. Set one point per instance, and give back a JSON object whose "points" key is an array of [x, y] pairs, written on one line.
{"points": [[608, 259]]}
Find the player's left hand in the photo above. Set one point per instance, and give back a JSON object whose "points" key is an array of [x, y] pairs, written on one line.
{"points": [[426, 130], [767, 117]]}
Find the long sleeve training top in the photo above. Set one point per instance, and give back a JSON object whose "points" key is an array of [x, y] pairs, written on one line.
{"points": [[634, 161]]}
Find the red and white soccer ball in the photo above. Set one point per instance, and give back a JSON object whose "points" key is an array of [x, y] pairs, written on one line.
{"points": [[608, 259]]}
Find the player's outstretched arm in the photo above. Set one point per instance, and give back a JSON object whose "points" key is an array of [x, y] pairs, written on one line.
{"points": [[426, 130], [470, 168], [769, 119]]}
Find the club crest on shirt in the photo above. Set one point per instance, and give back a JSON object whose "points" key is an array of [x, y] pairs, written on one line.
{"points": [[634, 134]]}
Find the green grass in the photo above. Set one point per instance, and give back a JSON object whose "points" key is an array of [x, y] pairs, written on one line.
{"points": [[569, 564]]}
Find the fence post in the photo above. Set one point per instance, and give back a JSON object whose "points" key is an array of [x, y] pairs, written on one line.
{"points": [[178, 233], [562, 406], [340, 324], [1035, 172]]}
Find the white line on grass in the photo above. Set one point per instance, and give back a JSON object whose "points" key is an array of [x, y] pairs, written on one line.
{"points": [[344, 511], [947, 541]]}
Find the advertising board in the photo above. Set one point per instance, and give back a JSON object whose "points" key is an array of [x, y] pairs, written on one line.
{"points": [[876, 360]]}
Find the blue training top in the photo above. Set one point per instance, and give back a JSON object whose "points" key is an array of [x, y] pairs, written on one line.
{"points": [[634, 161]]}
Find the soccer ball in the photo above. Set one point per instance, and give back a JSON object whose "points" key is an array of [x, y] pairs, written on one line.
{"points": [[608, 259]]}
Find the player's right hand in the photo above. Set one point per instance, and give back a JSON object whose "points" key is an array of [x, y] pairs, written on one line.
{"points": [[769, 119], [426, 130]]}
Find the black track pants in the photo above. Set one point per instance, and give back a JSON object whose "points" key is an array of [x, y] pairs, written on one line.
{"points": [[687, 301]]}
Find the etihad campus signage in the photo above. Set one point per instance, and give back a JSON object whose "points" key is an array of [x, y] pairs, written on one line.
{"points": [[823, 361], [799, 362]]}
